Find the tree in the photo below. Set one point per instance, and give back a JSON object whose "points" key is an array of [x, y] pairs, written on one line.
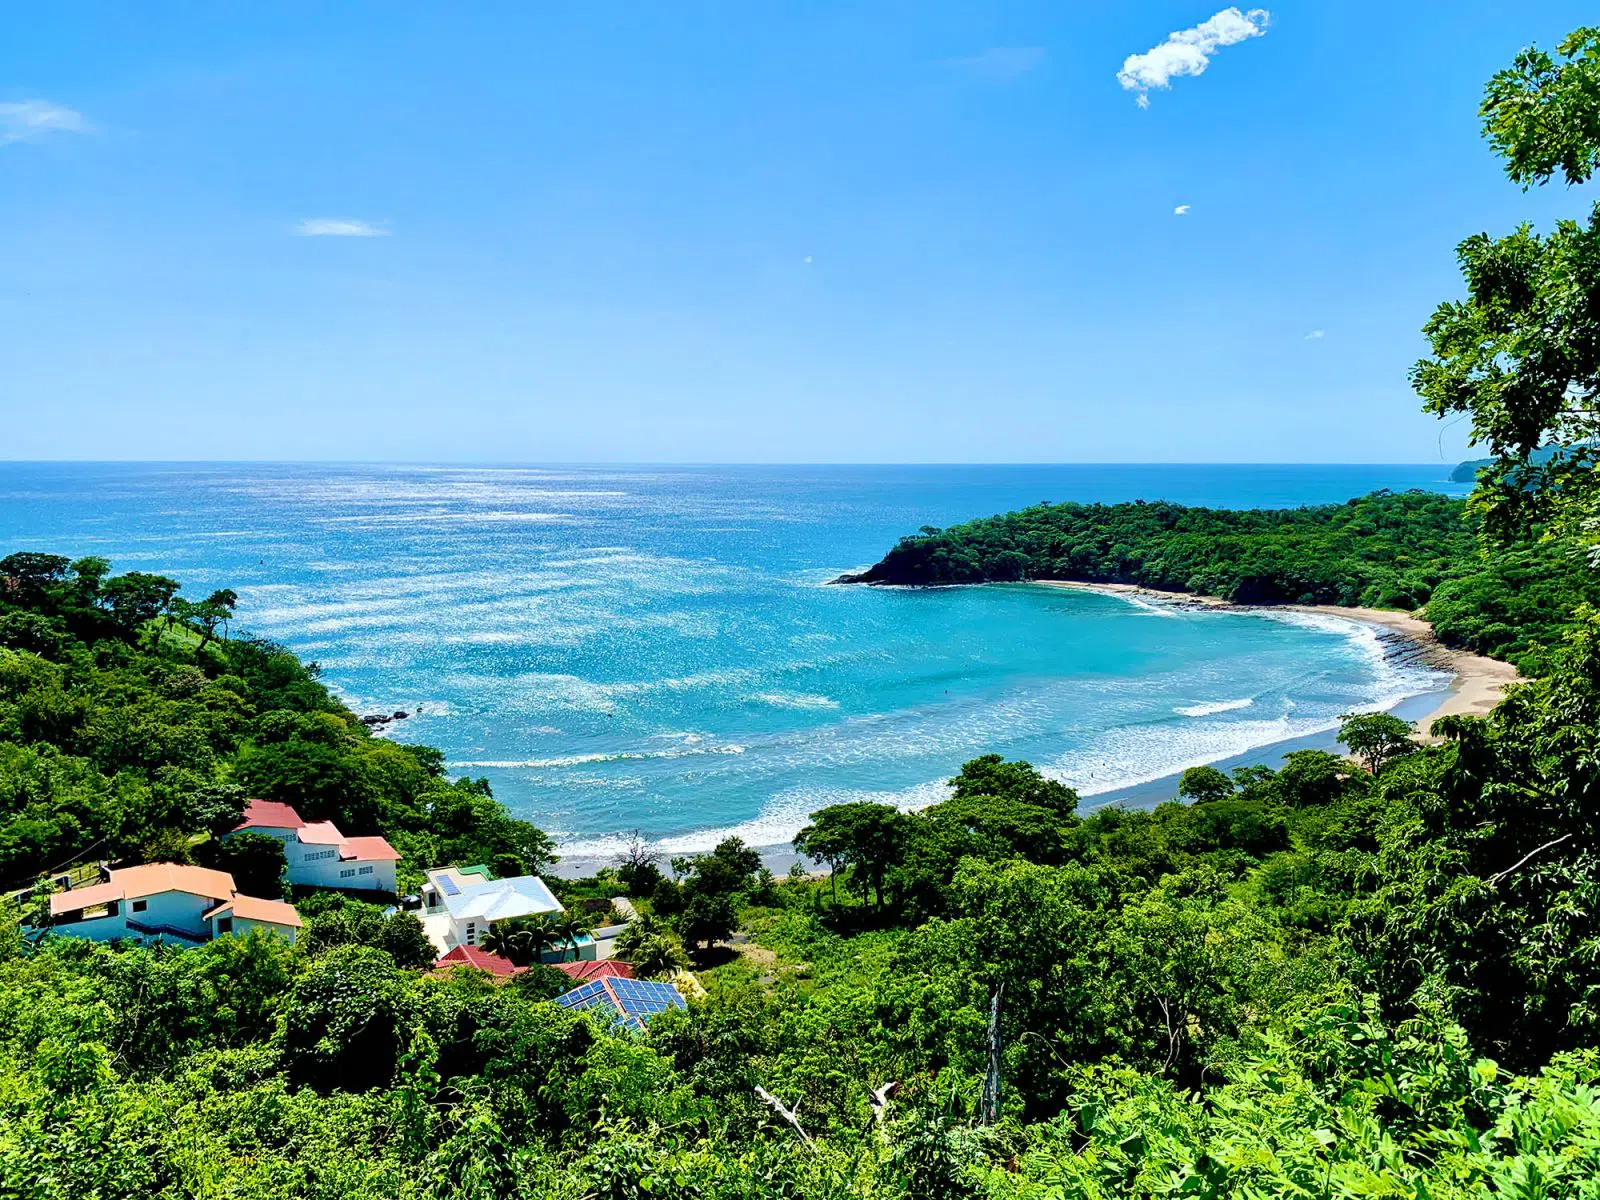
{"points": [[136, 598], [1200, 785], [706, 919], [1521, 354], [868, 838], [992, 775], [1375, 738], [406, 941], [650, 947], [255, 861], [639, 866], [26, 575], [343, 1021], [567, 929], [218, 807], [216, 609]]}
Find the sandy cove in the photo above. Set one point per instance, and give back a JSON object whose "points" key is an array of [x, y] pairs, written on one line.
{"points": [[1479, 681]]}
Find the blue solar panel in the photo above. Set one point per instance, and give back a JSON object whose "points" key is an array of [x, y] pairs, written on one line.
{"points": [[629, 1002], [448, 886]]}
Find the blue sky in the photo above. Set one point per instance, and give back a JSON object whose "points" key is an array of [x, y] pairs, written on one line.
{"points": [[876, 231]]}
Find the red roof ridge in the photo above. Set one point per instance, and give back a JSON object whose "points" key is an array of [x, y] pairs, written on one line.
{"points": [[472, 956]]}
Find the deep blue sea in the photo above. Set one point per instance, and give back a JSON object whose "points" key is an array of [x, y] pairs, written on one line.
{"points": [[656, 648]]}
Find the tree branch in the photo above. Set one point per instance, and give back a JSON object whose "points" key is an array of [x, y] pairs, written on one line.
{"points": [[1494, 879], [788, 1114]]}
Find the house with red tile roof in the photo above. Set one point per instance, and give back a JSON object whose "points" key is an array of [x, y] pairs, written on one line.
{"points": [[471, 956], [316, 854], [167, 902]]}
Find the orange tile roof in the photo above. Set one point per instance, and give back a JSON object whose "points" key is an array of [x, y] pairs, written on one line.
{"points": [[268, 814], [320, 833], [253, 908], [369, 849], [155, 878], [84, 897], [151, 879]]}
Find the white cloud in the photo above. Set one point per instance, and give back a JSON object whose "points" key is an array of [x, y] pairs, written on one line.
{"points": [[24, 120], [1189, 51], [1181, 210], [338, 227], [1001, 64], [1314, 335]]}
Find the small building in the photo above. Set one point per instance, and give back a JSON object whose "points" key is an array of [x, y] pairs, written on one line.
{"points": [[166, 902], [316, 854], [459, 908], [626, 1002]]}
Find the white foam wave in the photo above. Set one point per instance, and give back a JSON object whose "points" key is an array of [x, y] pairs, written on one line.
{"points": [[785, 815], [1212, 707], [576, 760], [794, 700]]}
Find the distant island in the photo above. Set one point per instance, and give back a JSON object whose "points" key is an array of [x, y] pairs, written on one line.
{"points": [[1406, 551]]}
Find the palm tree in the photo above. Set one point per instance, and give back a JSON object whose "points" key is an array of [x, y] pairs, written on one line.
{"points": [[502, 940], [540, 935], [567, 930]]}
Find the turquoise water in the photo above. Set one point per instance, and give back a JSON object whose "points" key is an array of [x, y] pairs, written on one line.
{"points": [[656, 648]]}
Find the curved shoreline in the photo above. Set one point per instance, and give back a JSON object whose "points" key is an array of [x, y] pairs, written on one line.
{"points": [[1476, 686], [1478, 683]]}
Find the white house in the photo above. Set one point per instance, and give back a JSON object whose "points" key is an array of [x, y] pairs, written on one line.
{"points": [[459, 907], [316, 854], [166, 902]]}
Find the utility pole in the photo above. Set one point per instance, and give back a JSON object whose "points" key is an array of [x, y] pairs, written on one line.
{"points": [[989, 1106]]}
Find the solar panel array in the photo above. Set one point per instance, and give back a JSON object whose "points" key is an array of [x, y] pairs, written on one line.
{"points": [[448, 885], [630, 1001]]}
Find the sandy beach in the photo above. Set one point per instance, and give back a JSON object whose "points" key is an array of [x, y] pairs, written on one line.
{"points": [[1479, 681]]}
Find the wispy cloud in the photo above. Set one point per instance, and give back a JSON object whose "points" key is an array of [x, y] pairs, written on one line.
{"points": [[1181, 210], [1189, 51], [25, 120], [1001, 64], [1315, 335], [338, 227]]}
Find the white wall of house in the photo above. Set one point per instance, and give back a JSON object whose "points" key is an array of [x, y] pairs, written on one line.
{"points": [[243, 926], [321, 866], [96, 929], [179, 910]]}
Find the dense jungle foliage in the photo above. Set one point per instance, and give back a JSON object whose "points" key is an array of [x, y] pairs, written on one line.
{"points": [[1319, 981], [128, 726], [1417, 550]]}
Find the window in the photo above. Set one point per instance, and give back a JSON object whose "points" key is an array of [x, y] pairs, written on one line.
{"points": [[366, 871], [319, 855], [347, 874], [224, 925], [140, 905], [472, 934]]}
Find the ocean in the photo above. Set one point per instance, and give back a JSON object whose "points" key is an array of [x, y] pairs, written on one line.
{"points": [[658, 649]]}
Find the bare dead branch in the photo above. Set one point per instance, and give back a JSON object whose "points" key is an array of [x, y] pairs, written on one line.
{"points": [[1494, 879]]}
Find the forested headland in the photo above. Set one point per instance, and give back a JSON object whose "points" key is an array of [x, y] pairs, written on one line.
{"points": [[1415, 550], [1318, 981]]}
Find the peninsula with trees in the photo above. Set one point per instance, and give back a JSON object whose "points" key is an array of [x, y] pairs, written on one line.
{"points": [[1322, 980]]}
